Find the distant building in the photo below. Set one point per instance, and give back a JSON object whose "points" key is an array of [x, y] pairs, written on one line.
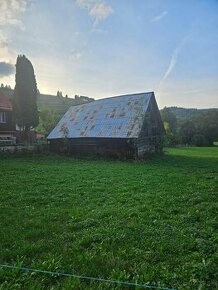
{"points": [[128, 125], [7, 124]]}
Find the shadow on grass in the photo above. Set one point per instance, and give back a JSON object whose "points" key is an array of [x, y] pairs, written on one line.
{"points": [[188, 160], [191, 157]]}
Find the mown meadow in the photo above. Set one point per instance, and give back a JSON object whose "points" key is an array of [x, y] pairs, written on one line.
{"points": [[151, 222]]}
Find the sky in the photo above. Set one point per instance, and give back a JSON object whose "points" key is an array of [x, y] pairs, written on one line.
{"points": [[102, 48]]}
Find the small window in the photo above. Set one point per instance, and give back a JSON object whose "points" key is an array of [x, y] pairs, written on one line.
{"points": [[2, 117]]}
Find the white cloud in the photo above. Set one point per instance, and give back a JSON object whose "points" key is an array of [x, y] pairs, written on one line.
{"points": [[78, 33], [3, 40], [100, 11], [97, 9], [5, 53], [159, 17], [188, 92], [97, 30], [75, 55], [11, 12]]}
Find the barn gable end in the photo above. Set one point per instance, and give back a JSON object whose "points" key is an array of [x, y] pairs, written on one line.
{"points": [[150, 139]]}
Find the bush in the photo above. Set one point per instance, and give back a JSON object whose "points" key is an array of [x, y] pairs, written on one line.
{"points": [[199, 140], [170, 140]]}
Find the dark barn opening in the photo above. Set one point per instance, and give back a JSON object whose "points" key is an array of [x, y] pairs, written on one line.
{"points": [[95, 146]]}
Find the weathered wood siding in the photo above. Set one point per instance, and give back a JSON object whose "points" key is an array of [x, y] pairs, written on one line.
{"points": [[151, 136], [112, 147]]}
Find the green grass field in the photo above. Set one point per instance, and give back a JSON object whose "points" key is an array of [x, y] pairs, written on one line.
{"points": [[152, 222]]}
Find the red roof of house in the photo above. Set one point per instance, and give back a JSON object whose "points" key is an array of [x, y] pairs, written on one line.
{"points": [[5, 102]]}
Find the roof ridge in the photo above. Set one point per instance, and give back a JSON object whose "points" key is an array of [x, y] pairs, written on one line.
{"points": [[126, 95]]}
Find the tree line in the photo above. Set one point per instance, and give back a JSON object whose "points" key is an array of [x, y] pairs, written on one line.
{"points": [[198, 130]]}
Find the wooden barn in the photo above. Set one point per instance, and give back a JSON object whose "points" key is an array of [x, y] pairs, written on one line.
{"points": [[7, 124], [128, 125]]}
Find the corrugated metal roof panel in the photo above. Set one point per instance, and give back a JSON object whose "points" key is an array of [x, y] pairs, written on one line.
{"points": [[116, 117], [5, 103]]}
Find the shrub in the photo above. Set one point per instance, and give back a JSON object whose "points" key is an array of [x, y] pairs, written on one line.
{"points": [[199, 140]]}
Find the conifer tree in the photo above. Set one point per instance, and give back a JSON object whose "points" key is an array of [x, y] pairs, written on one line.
{"points": [[25, 95]]}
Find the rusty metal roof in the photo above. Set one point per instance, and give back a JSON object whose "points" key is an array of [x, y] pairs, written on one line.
{"points": [[5, 103], [116, 117]]}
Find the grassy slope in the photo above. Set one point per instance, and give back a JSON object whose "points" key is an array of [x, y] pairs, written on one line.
{"points": [[151, 222]]}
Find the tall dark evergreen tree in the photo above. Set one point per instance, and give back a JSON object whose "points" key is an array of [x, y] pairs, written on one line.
{"points": [[25, 95]]}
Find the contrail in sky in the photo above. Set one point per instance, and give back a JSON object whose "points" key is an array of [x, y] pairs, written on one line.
{"points": [[173, 61]]}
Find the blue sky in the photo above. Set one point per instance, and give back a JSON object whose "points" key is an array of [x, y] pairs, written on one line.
{"points": [[102, 48]]}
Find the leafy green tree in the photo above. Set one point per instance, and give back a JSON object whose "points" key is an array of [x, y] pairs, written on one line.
{"points": [[169, 120], [199, 140], [25, 95], [199, 129], [170, 126], [187, 131], [207, 126], [47, 121]]}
